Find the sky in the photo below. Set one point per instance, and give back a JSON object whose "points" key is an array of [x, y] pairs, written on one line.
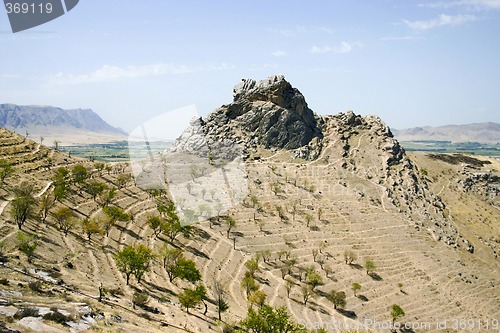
{"points": [[413, 63]]}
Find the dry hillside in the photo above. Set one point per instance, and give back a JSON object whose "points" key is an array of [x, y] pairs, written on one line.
{"points": [[430, 227]]}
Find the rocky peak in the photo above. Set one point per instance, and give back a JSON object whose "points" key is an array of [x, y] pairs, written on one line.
{"points": [[274, 89], [270, 113]]}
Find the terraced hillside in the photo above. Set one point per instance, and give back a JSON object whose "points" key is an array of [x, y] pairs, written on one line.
{"points": [[353, 192]]}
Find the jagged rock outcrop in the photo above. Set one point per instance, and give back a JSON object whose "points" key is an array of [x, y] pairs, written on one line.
{"points": [[272, 114], [268, 113], [486, 185]]}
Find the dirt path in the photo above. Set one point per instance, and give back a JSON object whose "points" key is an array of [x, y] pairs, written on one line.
{"points": [[4, 204], [44, 190]]}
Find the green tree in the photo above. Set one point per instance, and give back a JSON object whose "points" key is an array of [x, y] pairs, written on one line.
{"points": [[370, 266], [107, 196], [47, 201], [288, 286], [309, 219], [172, 228], [355, 287], [27, 244], [307, 292], [190, 298], [258, 298], [169, 256], [61, 185], [338, 298], [201, 291], [114, 214], [254, 200], [253, 267], [186, 270], [267, 319], [63, 216], [320, 213], [95, 188], [79, 173], [231, 223], [91, 227], [99, 167], [61, 190], [22, 209], [249, 284], [396, 313], [350, 256], [220, 293], [134, 260], [155, 223], [314, 280], [6, 170], [281, 213]]}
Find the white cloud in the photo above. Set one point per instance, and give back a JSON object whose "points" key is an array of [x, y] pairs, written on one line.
{"points": [[390, 38], [279, 53], [113, 73], [292, 32], [473, 4], [441, 20], [344, 47], [289, 32]]}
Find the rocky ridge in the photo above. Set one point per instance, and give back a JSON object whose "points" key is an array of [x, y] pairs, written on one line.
{"points": [[273, 115]]}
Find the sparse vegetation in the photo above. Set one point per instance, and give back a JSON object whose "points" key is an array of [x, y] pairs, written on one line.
{"points": [[22, 206], [27, 244], [350, 257], [269, 320], [6, 170], [355, 287], [134, 260], [91, 227], [220, 294], [369, 266], [231, 223], [338, 298], [396, 313]]}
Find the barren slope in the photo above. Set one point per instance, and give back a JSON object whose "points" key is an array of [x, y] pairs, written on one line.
{"points": [[351, 187]]}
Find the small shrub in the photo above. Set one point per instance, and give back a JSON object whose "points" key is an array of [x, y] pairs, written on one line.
{"points": [[145, 316], [36, 286], [57, 317], [115, 292], [140, 299], [227, 328], [26, 312], [4, 282]]}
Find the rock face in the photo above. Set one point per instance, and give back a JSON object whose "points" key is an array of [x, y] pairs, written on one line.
{"points": [[268, 113]]}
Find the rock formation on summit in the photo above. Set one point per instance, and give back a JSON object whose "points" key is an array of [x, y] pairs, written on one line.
{"points": [[271, 114], [268, 113]]}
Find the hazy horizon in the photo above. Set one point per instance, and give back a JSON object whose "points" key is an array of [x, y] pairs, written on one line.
{"points": [[413, 63]]}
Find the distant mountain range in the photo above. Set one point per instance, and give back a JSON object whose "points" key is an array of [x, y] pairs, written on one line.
{"points": [[71, 127], [482, 132]]}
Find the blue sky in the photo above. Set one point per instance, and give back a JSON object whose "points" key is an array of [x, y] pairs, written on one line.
{"points": [[413, 63]]}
